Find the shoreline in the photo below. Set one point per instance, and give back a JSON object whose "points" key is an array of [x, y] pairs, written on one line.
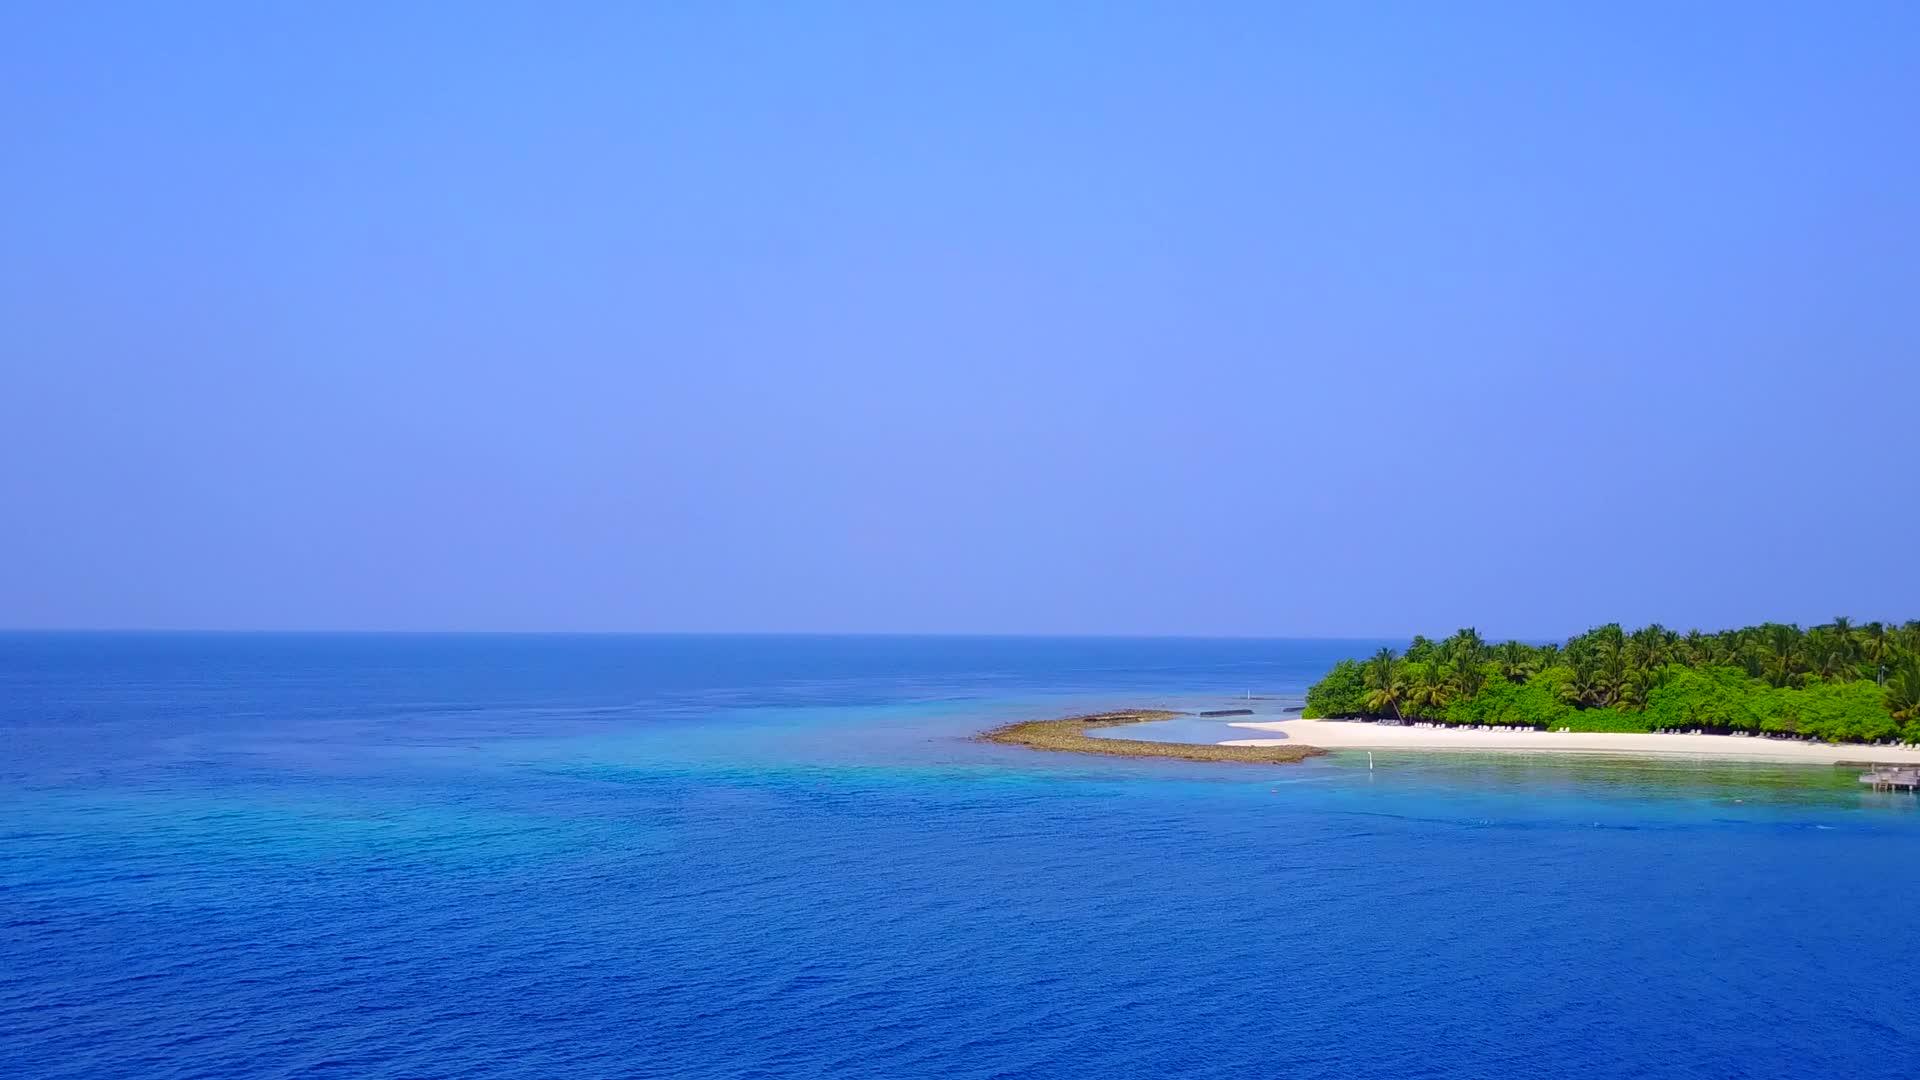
{"points": [[1352, 735], [1068, 735]]}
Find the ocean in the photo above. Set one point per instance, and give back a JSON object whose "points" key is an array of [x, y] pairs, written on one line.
{"points": [[417, 856]]}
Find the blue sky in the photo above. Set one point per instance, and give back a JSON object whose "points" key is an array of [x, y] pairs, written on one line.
{"points": [[1197, 319]]}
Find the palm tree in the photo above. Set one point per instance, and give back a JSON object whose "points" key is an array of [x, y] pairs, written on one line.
{"points": [[1728, 647], [1466, 646], [1846, 639], [1903, 691], [1587, 687], [1826, 653], [1615, 671], [1384, 685], [1633, 688], [1387, 697], [1646, 653], [1609, 636], [1516, 661], [1654, 644], [1779, 654], [1466, 679], [1427, 690], [1697, 648], [1876, 645]]}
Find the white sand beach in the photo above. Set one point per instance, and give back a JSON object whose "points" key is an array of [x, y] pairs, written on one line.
{"points": [[1343, 735]]}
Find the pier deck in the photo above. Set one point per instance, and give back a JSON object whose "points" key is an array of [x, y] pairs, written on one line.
{"points": [[1892, 779]]}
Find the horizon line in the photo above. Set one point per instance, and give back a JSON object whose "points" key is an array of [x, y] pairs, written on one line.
{"points": [[416, 632]]}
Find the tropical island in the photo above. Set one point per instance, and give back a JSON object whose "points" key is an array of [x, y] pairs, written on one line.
{"points": [[1834, 683], [1839, 692]]}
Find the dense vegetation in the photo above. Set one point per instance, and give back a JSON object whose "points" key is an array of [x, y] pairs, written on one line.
{"points": [[1838, 682]]}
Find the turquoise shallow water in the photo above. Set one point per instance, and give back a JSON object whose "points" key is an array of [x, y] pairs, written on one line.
{"points": [[729, 857]]}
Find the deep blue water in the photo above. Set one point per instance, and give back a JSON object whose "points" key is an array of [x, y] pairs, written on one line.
{"points": [[507, 856]]}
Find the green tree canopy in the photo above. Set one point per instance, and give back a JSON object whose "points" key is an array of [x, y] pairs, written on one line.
{"points": [[1841, 681]]}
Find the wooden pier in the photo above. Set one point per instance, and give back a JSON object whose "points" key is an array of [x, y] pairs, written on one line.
{"points": [[1892, 779]]}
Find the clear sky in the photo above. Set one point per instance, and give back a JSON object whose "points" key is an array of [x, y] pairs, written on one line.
{"points": [[1179, 318]]}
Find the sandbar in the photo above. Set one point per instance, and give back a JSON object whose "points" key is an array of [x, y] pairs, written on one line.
{"points": [[1068, 734]]}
